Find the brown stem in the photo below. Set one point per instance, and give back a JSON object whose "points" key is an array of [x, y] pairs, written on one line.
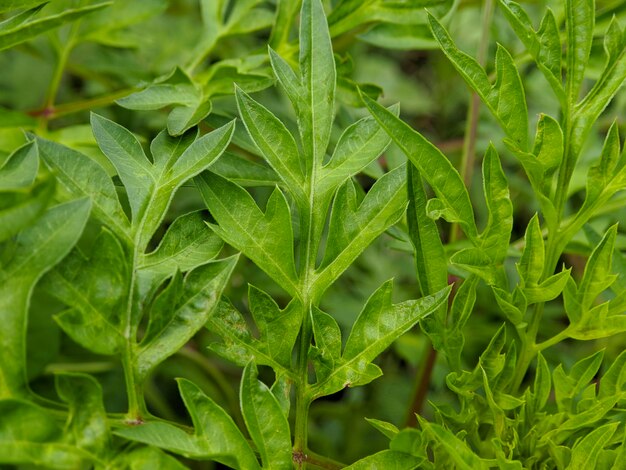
{"points": [[423, 382]]}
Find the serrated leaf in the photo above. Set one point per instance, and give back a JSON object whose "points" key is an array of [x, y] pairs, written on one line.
{"points": [[27, 31], [495, 237], [432, 164], [239, 346], [274, 141], [460, 453], [579, 23], [354, 226], [37, 249], [544, 45], [505, 98], [265, 238], [216, 436], [188, 243], [277, 328], [585, 453], [317, 68], [377, 326], [80, 176], [95, 290], [358, 146], [198, 296], [266, 423]]}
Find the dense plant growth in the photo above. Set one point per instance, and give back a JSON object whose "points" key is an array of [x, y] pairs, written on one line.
{"points": [[199, 274]]}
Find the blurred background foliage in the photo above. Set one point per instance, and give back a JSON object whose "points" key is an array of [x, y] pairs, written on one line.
{"points": [[152, 64]]}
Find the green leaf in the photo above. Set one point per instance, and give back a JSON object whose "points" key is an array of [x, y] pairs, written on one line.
{"points": [[216, 436], [568, 386], [387, 429], [264, 418], [87, 422], [586, 451], [265, 238], [29, 434], [148, 458], [505, 98], [601, 175], [182, 314], [542, 384], [432, 164], [96, 291], [544, 45], [287, 79], [9, 5], [530, 265], [317, 66], [496, 235], [151, 187], [579, 23], [613, 381], [177, 88], [124, 150], [240, 347], [20, 169], [377, 326], [81, 176], [388, 459], [326, 354], [187, 244], [274, 141], [611, 79], [277, 328], [36, 249], [460, 453], [430, 259], [358, 146], [27, 31], [354, 226], [21, 208], [597, 276]]}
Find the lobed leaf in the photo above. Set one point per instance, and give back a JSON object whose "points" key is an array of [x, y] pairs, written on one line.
{"points": [[265, 420], [36, 249], [216, 436]]}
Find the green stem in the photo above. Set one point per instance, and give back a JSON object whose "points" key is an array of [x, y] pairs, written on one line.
{"points": [[134, 391], [320, 461], [54, 112]]}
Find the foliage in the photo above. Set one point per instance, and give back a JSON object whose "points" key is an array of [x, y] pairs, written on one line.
{"points": [[269, 191]]}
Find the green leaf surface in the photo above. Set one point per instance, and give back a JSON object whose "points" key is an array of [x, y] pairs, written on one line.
{"points": [[586, 452], [216, 436], [95, 290], [278, 332], [20, 169], [354, 226], [432, 164], [387, 459], [36, 249], [317, 66], [266, 423], [30, 435], [183, 314], [505, 98], [87, 425], [187, 244], [377, 326], [27, 31], [148, 458], [265, 238], [9, 5], [80, 176], [579, 23], [274, 141]]}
